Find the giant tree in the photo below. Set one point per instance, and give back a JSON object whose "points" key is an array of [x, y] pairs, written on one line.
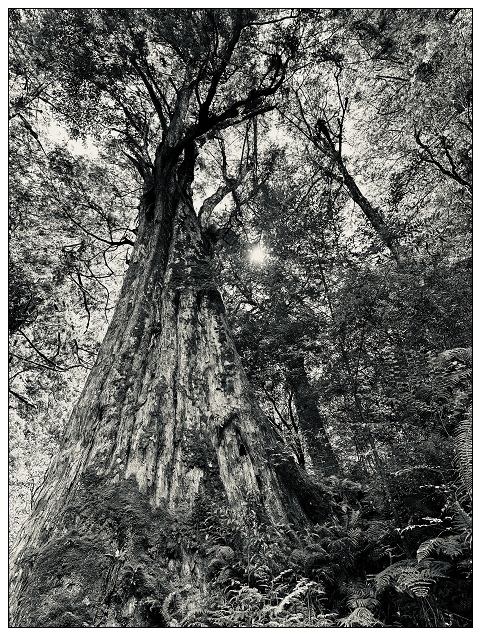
{"points": [[166, 432]]}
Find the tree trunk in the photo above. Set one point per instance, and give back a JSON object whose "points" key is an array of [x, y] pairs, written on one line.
{"points": [[373, 215], [165, 438], [311, 423]]}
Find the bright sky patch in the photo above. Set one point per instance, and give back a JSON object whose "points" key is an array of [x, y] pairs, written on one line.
{"points": [[257, 255]]}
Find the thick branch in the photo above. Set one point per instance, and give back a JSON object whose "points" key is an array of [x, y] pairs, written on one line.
{"points": [[252, 105], [152, 94], [139, 164], [216, 77], [210, 203]]}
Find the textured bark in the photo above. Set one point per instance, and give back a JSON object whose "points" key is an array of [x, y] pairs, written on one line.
{"points": [[311, 423], [165, 433]]}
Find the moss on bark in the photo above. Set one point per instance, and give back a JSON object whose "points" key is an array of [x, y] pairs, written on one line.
{"points": [[112, 556]]}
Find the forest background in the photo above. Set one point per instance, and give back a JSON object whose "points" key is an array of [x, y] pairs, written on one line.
{"points": [[394, 410]]}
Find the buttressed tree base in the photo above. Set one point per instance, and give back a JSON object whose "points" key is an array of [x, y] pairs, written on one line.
{"points": [[167, 431]]}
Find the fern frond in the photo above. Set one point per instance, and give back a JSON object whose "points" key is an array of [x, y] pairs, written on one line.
{"points": [[415, 582], [379, 552], [437, 569], [359, 599], [376, 531], [294, 619], [221, 558], [462, 522], [355, 536], [166, 606], [405, 576], [389, 575], [325, 620], [302, 586], [188, 621], [198, 624], [463, 445], [450, 546], [354, 518], [221, 552], [360, 617], [306, 556], [361, 595], [281, 575], [459, 354], [170, 601]]}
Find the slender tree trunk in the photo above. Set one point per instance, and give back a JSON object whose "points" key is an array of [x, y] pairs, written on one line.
{"points": [[311, 423], [166, 435], [373, 215]]}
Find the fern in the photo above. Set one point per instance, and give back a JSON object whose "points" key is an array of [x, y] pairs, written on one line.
{"points": [[325, 620], [196, 624], [415, 582], [437, 569], [405, 576], [362, 596], [462, 522], [193, 618], [219, 565], [280, 576], [450, 546], [360, 617], [463, 444], [173, 603], [166, 607], [302, 586], [353, 519], [274, 624], [452, 384], [377, 531], [370, 603], [219, 553], [460, 354]]}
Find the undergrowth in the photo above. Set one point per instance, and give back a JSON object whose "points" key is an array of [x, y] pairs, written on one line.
{"points": [[348, 572]]}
